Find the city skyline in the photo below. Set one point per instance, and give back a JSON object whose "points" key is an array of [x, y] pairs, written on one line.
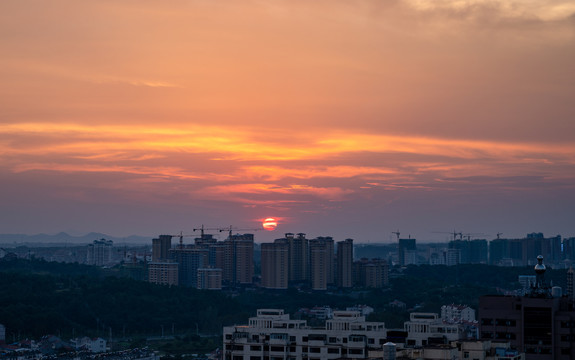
{"points": [[350, 119]]}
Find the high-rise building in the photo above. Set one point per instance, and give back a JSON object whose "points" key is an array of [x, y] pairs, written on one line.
{"points": [[209, 279], [298, 257], [406, 252], [330, 260], [478, 251], [99, 253], [470, 251], [570, 294], [190, 260], [345, 263], [523, 252], [163, 273], [371, 273], [452, 256], [275, 264], [539, 323], [161, 247], [238, 266], [318, 256]]}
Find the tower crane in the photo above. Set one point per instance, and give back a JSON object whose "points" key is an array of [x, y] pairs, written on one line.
{"points": [[468, 235], [202, 229], [181, 236], [231, 228], [453, 233]]}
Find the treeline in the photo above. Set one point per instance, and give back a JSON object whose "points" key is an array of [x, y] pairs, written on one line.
{"points": [[39, 298]]}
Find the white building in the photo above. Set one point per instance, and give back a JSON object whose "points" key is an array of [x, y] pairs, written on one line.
{"points": [[427, 328], [363, 309], [457, 313], [100, 252], [95, 345], [273, 335], [452, 256]]}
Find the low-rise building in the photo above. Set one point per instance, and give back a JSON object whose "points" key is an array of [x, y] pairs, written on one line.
{"points": [[457, 313], [427, 328], [273, 335], [94, 345]]}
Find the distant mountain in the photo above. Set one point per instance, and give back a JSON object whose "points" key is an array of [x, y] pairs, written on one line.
{"points": [[65, 238]]}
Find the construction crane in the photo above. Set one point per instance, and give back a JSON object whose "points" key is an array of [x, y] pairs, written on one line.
{"points": [[231, 228], [396, 234], [202, 229], [181, 236], [468, 235], [453, 233], [498, 234]]}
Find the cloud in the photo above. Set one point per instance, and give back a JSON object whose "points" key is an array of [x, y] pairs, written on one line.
{"points": [[546, 10]]}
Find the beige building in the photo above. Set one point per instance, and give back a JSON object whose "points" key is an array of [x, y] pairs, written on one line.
{"points": [[209, 279], [164, 273], [298, 257], [318, 265], [161, 247], [275, 264], [238, 259], [345, 263]]}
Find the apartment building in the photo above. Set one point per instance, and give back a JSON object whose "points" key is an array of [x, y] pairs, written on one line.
{"points": [[275, 264], [163, 273], [272, 335], [427, 328]]}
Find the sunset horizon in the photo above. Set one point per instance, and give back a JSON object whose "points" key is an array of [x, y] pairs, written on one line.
{"points": [[349, 119]]}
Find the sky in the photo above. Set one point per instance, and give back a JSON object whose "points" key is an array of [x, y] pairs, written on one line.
{"points": [[351, 119]]}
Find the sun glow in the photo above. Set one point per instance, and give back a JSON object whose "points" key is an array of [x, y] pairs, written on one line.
{"points": [[270, 224]]}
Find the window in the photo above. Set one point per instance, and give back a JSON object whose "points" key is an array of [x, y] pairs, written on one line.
{"points": [[356, 351], [255, 348], [314, 350], [466, 354], [277, 348], [333, 351], [332, 340], [486, 321]]}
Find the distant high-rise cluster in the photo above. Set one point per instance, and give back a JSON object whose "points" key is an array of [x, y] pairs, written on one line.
{"points": [[523, 252], [318, 263], [206, 264]]}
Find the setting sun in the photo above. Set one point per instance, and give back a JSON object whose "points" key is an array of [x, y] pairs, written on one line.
{"points": [[270, 224]]}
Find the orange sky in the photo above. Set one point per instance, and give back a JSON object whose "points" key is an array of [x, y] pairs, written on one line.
{"points": [[341, 118]]}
